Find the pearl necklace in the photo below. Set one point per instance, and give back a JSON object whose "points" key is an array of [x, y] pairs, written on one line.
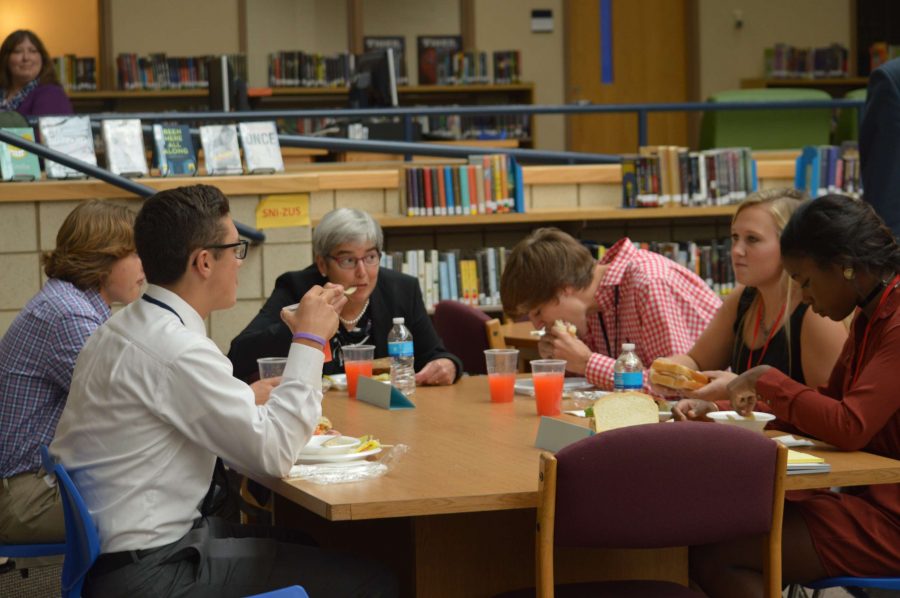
{"points": [[352, 323]]}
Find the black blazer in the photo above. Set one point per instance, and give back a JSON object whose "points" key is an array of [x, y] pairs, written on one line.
{"points": [[879, 144], [395, 295]]}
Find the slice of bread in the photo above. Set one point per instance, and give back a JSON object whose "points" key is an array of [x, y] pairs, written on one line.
{"points": [[621, 409], [665, 372]]}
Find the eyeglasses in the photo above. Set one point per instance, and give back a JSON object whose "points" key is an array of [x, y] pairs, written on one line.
{"points": [[348, 262], [240, 248]]}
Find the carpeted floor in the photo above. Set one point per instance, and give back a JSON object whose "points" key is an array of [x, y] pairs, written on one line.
{"points": [[42, 582]]}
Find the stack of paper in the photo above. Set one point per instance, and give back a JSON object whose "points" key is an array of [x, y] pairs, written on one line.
{"points": [[803, 463]]}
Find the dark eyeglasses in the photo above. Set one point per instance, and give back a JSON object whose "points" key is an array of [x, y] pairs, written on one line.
{"points": [[240, 248], [348, 262]]}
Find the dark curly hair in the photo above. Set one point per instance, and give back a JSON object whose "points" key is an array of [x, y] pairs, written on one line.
{"points": [[839, 230]]}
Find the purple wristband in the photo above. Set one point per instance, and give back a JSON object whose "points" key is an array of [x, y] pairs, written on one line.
{"points": [[310, 337]]}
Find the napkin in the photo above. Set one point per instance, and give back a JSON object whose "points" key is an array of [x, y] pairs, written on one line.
{"points": [[789, 441]]}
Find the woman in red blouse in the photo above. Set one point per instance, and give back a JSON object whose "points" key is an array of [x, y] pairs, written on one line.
{"points": [[844, 259]]}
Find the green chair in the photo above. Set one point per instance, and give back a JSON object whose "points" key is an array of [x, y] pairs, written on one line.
{"points": [[847, 128], [766, 129]]}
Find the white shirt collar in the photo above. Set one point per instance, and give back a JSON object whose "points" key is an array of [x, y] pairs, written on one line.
{"points": [[189, 315]]}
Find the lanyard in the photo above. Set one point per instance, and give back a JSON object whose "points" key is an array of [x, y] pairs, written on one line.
{"points": [[159, 303], [862, 347], [772, 331], [609, 349]]}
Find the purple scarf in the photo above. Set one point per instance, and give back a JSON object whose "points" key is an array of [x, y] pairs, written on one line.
{"points": [[14, 102]]}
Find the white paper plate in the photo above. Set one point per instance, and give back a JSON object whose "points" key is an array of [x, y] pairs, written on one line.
{"points": [[336, 457], [329, 444], [525, 386]]}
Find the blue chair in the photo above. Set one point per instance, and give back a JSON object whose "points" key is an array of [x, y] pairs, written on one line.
{"points": [[288, 592], [82, 539], [882, 583]]}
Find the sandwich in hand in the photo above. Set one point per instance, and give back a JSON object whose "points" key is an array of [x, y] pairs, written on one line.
{"points": [[667, 373], [561, 327]]}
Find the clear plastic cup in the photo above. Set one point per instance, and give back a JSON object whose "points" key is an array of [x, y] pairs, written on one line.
{"points": [[271, 367], [502, 365], [547, 375], [357, 362]]}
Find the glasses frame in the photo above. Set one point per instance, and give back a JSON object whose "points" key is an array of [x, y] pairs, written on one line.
{"points": [[240, 248], [356, 260]]}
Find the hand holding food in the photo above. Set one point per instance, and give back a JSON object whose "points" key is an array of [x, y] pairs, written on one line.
{"points": [[742, 390], [670, 374], [692, 409], [560, 342]]}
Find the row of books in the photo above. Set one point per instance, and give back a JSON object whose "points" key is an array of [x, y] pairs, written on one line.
{"points": [[489, 184], [829, 169], [158, 71], [76, 73], [442, 61], [472, 277], [124, 148], [670, 175], [786, 61], [456, 126], [881, 52], [295, 68]]}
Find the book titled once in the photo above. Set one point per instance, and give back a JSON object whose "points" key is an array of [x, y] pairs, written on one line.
{"points": [[262, 152]]}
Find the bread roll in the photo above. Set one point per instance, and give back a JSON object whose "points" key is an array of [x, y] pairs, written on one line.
{"points": [[561, 327], [621, 409], [665, 372]]}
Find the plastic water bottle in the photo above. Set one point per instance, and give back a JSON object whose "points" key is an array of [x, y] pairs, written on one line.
{"points": [[400, 351], [628, 370]]}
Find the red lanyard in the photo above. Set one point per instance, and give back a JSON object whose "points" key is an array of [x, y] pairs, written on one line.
{"points": [[862, 347], [774, 329]]}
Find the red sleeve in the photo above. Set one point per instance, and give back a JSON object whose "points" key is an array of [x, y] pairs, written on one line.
{"points": [[850, 422]]}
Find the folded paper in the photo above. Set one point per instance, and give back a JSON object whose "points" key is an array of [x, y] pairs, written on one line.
{"points": [[381, 394]]}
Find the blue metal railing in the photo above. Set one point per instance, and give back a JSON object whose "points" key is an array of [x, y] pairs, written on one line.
{"points": [[641, 110]]}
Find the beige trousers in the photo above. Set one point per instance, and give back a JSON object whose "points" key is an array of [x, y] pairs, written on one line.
{"points": [[31, 513]]}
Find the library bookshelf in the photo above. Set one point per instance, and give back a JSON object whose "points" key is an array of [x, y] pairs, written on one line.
{"points": [[581, 199]]}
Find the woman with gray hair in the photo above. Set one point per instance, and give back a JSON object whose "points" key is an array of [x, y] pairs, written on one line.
{"points": [[347, 247]]}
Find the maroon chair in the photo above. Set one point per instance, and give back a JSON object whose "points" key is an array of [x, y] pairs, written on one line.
{"points": [[462, 328], [657, 486]]}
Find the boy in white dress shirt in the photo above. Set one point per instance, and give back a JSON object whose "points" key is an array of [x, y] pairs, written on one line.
{"points": [[153, 402]]}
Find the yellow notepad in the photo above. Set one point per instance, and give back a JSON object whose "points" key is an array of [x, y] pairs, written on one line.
{"points": [[798, 457]]}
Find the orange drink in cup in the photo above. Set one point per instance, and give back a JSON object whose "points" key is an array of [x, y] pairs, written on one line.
{"points": [[502, 365], [547, 376], [357, 362]]}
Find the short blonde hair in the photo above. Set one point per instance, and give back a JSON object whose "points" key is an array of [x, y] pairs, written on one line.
{"points": [[540, 266], [93, 237]]}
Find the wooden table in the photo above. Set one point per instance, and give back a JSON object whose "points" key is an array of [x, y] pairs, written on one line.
{"points": [[518, 334], [456, 516]]}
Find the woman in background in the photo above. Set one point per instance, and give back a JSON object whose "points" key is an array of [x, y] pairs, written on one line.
{"points": [[844, 260], [94, 265], [762, 321], [28, 81]]}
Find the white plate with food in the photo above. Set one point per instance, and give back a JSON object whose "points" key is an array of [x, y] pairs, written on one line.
{"points": [[337, 457], [329, 444], [525, 386]]}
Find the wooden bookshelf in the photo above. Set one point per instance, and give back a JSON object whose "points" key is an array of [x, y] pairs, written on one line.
{"points": [[537, 216], [836, 86]]}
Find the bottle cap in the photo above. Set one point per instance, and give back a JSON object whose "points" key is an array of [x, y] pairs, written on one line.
{"points": [[628, 346], [399, 320]]}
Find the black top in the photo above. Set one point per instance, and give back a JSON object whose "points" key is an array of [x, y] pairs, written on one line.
{"points": [[395, 295], [777, 354], [879, 144]]}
